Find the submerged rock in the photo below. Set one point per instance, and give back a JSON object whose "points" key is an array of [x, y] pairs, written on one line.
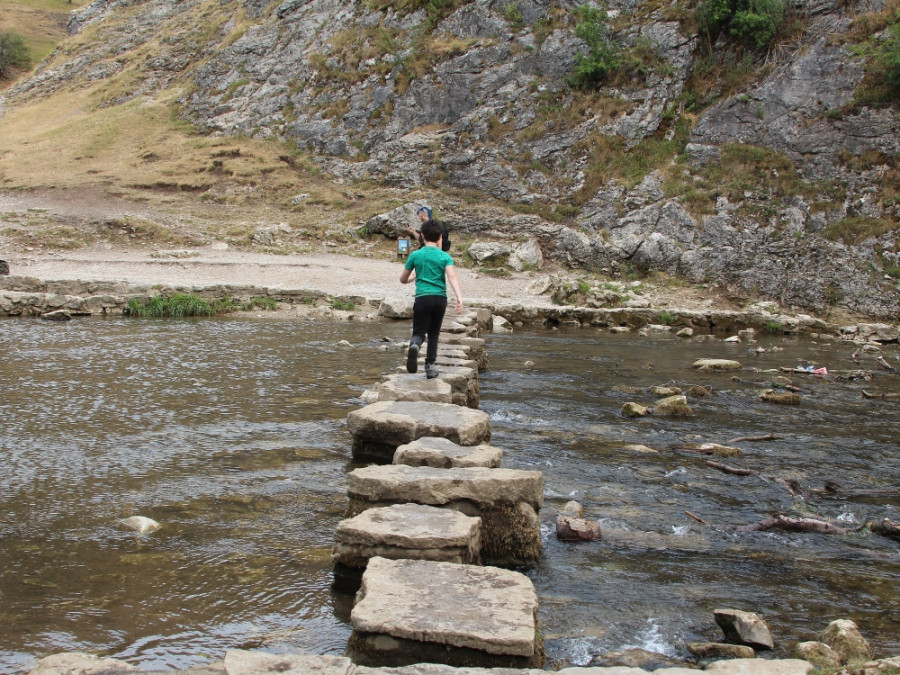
{"points": [[141, 524]]}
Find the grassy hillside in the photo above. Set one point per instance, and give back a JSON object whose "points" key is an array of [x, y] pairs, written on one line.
{"points": [[220, 188], [41, 24]]}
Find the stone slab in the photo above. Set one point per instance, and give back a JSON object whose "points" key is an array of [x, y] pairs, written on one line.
{"points": [[408, 531], [444, 358], [398, 483], [414, 387], [760, 667], [398, 422], [462, 380], [442, 453], [483, 608], [244, 662]]}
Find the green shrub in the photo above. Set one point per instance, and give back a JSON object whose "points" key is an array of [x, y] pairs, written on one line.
{"points": [[259, 302], [603, 57], [13, 53], [753, 23], [343, 305], [882, 82], [773, 327], [666, 319]]}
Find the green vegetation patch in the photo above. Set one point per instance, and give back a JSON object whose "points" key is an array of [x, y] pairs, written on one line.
{"points": [[762, 172], [179, 305], [751, 23], [13, 53], [857, 229], [881, 85]]}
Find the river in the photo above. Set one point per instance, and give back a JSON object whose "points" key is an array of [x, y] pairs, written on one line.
{"points": [[231, 433]]}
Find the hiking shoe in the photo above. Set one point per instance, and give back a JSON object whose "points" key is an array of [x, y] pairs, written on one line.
{"points": [[431, 372], [412, 358]]}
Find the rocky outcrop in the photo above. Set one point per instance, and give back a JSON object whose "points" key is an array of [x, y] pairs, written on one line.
{"points": [[476, 99]]}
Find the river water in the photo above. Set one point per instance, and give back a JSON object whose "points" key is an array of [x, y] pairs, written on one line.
{"points": [[231, 433]]}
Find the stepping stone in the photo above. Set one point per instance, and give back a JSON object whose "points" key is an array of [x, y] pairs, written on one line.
{"points": [[414, 611], [244, 662], [378, 429], [444, 359], [442, 453], [408, 531], [477, 351], [463, 381], [507, 500], [407, 387]]}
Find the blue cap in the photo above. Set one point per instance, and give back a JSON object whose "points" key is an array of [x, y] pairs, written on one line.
{"points": [[425, 209]]}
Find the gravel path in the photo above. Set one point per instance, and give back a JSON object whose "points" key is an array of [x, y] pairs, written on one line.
{"points": [[333, 274]]}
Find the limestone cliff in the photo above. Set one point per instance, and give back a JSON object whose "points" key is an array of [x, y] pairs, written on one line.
{"points": [[783, 187]]}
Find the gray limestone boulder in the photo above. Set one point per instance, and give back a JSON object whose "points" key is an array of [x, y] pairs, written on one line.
{"points": [[443, 453], [410, 611], [744, 628], [818, 653], [396, 309], [720, 650], [707, 365], [673, 406], [844, 638]]}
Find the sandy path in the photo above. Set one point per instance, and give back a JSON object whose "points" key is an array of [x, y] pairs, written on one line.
{"points": [[334, 274]]}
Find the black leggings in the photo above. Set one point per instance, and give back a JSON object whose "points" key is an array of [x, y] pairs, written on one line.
{"points": [[428, 315]]}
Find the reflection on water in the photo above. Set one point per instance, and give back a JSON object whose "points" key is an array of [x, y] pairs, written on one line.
{"points": [[232, 434]]}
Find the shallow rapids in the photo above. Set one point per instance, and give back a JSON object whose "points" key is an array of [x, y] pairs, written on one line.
{"points": [[231, 434]]}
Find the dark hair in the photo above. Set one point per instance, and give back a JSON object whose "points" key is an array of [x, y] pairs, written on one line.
{"points": [[431, 231]]}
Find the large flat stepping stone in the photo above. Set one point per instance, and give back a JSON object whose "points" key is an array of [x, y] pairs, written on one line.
{"points": [[463, 382], [408, 531], [443, 453], [397, 483], [459, 615], [407, 387], [378, 429], [507, 500], [243, 662]]}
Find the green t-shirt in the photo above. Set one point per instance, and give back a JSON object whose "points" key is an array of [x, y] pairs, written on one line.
{"points": [[429, 263]]}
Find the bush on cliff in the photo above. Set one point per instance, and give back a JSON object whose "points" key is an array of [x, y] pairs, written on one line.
{"points": [[13, 53], [752, 23]]}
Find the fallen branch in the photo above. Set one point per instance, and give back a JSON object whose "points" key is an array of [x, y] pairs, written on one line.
{"points": [[790, 524], [709, 449], [882, 396], [766, 437], [885, 364], [885, 528], [697, 518], [724, 468]]}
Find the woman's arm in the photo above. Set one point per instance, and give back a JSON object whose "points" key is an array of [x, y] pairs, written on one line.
{"points": [[450, 271]]}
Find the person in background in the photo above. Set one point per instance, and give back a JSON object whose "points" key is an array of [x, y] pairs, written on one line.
{"points": [[432, 270], [424, 214]]}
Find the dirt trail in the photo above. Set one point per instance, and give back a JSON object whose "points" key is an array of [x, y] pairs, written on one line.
{"points": [[373, 276], [334, 274]]}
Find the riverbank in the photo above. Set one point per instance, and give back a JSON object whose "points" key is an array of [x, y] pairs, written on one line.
{"points": [[99, 281]]}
